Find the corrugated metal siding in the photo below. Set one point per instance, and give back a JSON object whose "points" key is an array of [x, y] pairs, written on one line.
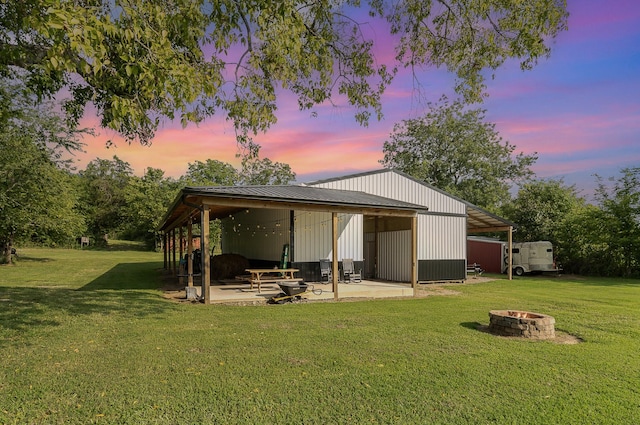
{"points": [[350, 237], [487, 254], [394, 256], [313, 236], [395, 186], [432, 270], [258, 234], [369, 266], [441, 237]]}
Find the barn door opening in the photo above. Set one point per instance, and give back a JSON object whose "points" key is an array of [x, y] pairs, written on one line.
{"points": [[387, 248]]}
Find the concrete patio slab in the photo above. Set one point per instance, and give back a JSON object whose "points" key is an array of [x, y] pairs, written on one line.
{"points": [[241, 293]]}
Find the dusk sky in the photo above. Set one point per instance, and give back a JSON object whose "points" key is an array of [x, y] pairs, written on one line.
{"points": [[579, 109]]}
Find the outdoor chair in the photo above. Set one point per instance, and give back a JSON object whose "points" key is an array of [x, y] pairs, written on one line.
{"points": [[349, 271], [325, 270]]}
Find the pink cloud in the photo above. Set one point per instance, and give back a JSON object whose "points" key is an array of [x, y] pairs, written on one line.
{"points": [[171, 150], [568, 132]]}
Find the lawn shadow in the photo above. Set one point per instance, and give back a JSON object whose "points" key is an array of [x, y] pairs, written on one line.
{"points": [[126, 290], [476, 326], [562, 337], [117, 245], [127, 276], [27, 259]]}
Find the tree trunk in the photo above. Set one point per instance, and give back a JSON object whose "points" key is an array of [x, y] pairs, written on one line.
{"points": [[7, 251]]}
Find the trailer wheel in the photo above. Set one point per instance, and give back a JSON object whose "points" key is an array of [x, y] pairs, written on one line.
{"points": [[518, 271]]}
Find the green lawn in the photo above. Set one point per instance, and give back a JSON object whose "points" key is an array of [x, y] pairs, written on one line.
{"points": [[86, 336]]}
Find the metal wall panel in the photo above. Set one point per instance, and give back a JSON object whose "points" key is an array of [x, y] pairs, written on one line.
{"points": [[434, 270], [441, 237], [260, 235], [313, 236], [351, 239], [394, 256], [257, 234], [489, 254]]}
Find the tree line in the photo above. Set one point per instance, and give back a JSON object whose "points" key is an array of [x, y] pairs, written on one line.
{"points": [[453, 148], [43, 200]]}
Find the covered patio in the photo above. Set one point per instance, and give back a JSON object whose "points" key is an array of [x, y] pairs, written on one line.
{"points": [[201, 205]]}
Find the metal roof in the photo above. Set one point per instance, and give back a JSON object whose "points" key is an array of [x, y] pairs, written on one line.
{"points": [[225, 200], [304, 194], [480, 220]]}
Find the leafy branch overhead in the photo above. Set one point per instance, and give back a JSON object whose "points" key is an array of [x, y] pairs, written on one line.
{"points": [[456, 150], [140, 62]]}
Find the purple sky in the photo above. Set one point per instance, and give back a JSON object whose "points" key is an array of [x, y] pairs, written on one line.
{"points": [[580, 110]]}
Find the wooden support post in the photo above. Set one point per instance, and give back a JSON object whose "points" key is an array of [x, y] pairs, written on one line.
{"points": [[173, 251], [334, 263], [204, 243], [181, 236], [181, 253], [510, 254], [189, 254], [375, 244], [165, 250], [414, 254]]}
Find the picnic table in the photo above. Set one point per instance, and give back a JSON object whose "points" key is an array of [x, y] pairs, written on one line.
{"points": [[260, 276]]}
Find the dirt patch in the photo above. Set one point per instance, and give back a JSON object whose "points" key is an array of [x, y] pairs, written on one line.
{"points": [[565, 338], [174, 295], [446, 288], [428, 291]]}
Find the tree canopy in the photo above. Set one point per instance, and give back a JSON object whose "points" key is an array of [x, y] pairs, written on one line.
{"points": [[549, 210], [141, 61], [261, 171], [454, 149], [147, 199], [209, 173], [540, 208], [103, 201], [37, 199], [618, 222]]}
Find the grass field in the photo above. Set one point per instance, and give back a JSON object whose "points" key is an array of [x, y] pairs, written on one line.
{"points": [[86, 337]]}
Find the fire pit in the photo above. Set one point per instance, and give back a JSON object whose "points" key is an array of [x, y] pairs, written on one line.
{"points": [[521, 324]]}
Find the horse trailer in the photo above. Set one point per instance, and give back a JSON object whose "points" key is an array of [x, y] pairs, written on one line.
{"points": [[531, 257]]}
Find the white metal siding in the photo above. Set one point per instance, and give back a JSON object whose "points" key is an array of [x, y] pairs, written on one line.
{"points": [[260, 234], [257, 234], [394, 256], [442, 237], [313, 236], [395, 186]]}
